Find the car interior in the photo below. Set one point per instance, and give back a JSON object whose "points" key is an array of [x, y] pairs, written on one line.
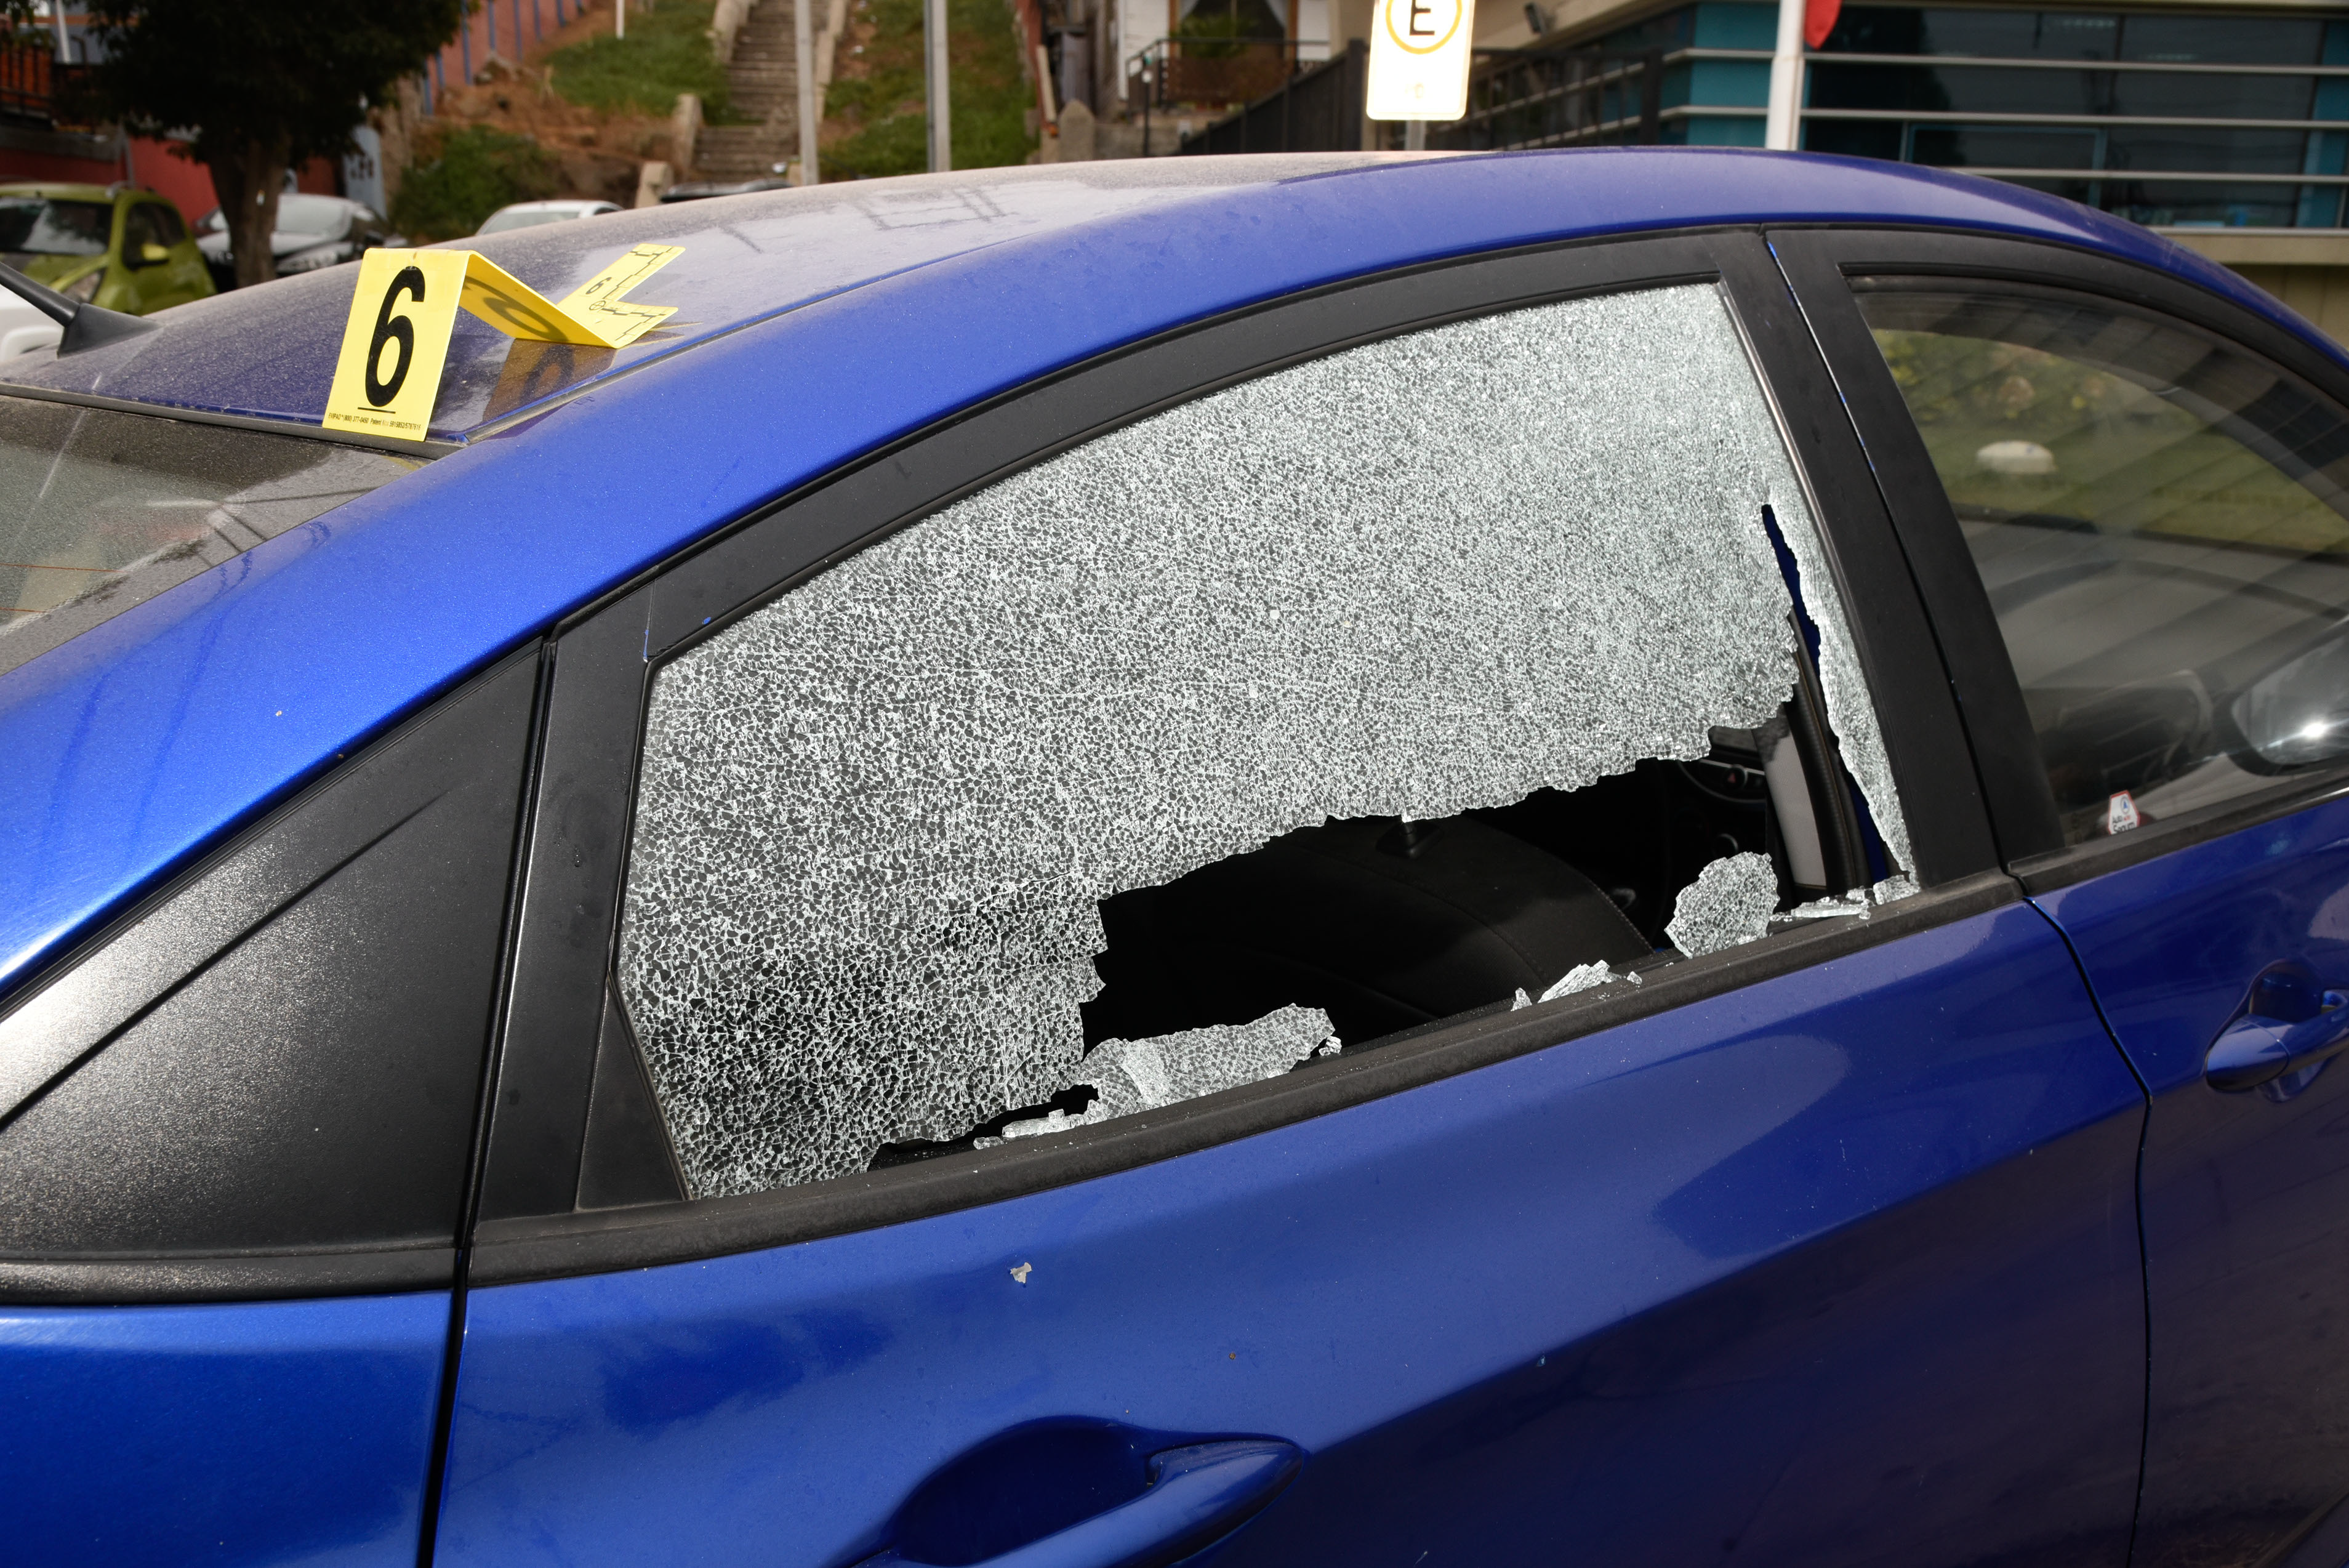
{"points": [[1395, 927]]}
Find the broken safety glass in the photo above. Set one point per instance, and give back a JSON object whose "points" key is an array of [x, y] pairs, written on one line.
{"points": [[1449, 669]]}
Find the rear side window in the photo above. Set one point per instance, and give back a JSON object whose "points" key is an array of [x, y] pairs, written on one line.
{"points": [[101, 510], [139, 229], [1448, 673], [2159, 518]]}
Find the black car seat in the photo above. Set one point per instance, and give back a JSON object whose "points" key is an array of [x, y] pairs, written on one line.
{"points": [[1383, 924]]}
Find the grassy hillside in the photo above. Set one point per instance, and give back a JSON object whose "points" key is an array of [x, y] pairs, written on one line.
{"points": [[666, 52], [874, 109]]}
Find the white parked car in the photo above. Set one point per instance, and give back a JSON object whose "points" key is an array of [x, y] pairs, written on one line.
{"points": [[312, 232], [530, 214], [23, 327]]}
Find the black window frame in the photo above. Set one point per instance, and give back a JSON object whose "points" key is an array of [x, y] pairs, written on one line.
{"points": [[540, 1164], [1817, 263]]}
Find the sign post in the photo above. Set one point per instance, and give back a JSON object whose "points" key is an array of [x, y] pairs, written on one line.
{"points": [[1419, 62], [934, 59], [1780, 126], [803, 64]]}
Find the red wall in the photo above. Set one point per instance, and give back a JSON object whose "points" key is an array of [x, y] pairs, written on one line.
{"points": [[18, 163], [158, 166], [535, 18]]}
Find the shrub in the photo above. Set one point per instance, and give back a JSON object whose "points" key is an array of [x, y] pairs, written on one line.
{"points": [[467, 175]]}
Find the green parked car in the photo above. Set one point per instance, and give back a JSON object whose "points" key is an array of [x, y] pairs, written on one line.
{"points": [[108, 245]]}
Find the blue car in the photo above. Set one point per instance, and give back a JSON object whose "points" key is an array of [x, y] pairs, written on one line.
{"points": [[1615, 856]]}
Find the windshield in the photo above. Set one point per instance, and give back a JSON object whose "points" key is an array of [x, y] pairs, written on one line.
{"points": [[34, 226], [99, 510]]}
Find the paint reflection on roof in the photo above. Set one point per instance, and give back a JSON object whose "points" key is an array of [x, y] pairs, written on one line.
{"points": [[270, 352]]}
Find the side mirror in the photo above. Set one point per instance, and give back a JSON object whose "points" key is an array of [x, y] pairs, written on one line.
{"points": [[2299, 711]]}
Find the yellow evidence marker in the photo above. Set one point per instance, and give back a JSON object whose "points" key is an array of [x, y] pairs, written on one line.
{"points": [[404, 311]]}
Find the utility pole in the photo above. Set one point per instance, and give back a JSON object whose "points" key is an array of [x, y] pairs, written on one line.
{"points": [[65, 39], [1782, 130], [934, 63], [803, 54], [619, 18]]}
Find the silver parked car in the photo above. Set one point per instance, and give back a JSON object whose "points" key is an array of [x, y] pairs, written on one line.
{"points": [[312, 232], [530, 214]]}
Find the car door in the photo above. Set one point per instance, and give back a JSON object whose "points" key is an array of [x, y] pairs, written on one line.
{"points": [[149, 276], [236, 1137], [180, 275], [2123, 497], [1360, 936]]}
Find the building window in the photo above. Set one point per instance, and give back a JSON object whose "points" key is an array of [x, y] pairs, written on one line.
{"points": [[2219, 120], [2163, 119]]}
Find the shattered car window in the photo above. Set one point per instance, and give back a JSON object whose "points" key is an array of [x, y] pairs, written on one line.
{"points": [[1270, 725]]}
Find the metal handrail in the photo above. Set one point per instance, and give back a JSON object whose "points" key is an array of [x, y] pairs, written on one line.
{"points": [[1164, 66], [1522, 98], [1319, 108], [1977, 62], [27, 81], [2071, 121]]}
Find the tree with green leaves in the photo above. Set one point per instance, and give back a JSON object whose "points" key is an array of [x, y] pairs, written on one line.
{"points": [[263, 85]]}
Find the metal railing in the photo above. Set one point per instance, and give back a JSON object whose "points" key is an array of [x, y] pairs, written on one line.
{"points": [[31, 81], [1558, 98], [1318, 110], [1212, 72], [1516, 99]]}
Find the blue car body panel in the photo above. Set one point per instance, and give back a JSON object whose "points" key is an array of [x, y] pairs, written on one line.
{"points": [[2243, 1193], [262, 1432], [1842, 1267], [140, 742]]}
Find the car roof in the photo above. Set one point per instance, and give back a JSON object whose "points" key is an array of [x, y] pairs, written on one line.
{"points": [[60, 191], [818, 325], [269, 353]]}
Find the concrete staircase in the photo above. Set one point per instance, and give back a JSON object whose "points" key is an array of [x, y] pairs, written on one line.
{"points": [[764, 84]]}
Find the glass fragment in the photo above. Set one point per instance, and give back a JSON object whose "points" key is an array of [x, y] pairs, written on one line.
{"points": [[1582, 977], [1129, 1075], [1730, 902]]}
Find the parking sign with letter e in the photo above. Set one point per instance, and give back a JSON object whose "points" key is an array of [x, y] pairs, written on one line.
{"points": [[1419, 59]]}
